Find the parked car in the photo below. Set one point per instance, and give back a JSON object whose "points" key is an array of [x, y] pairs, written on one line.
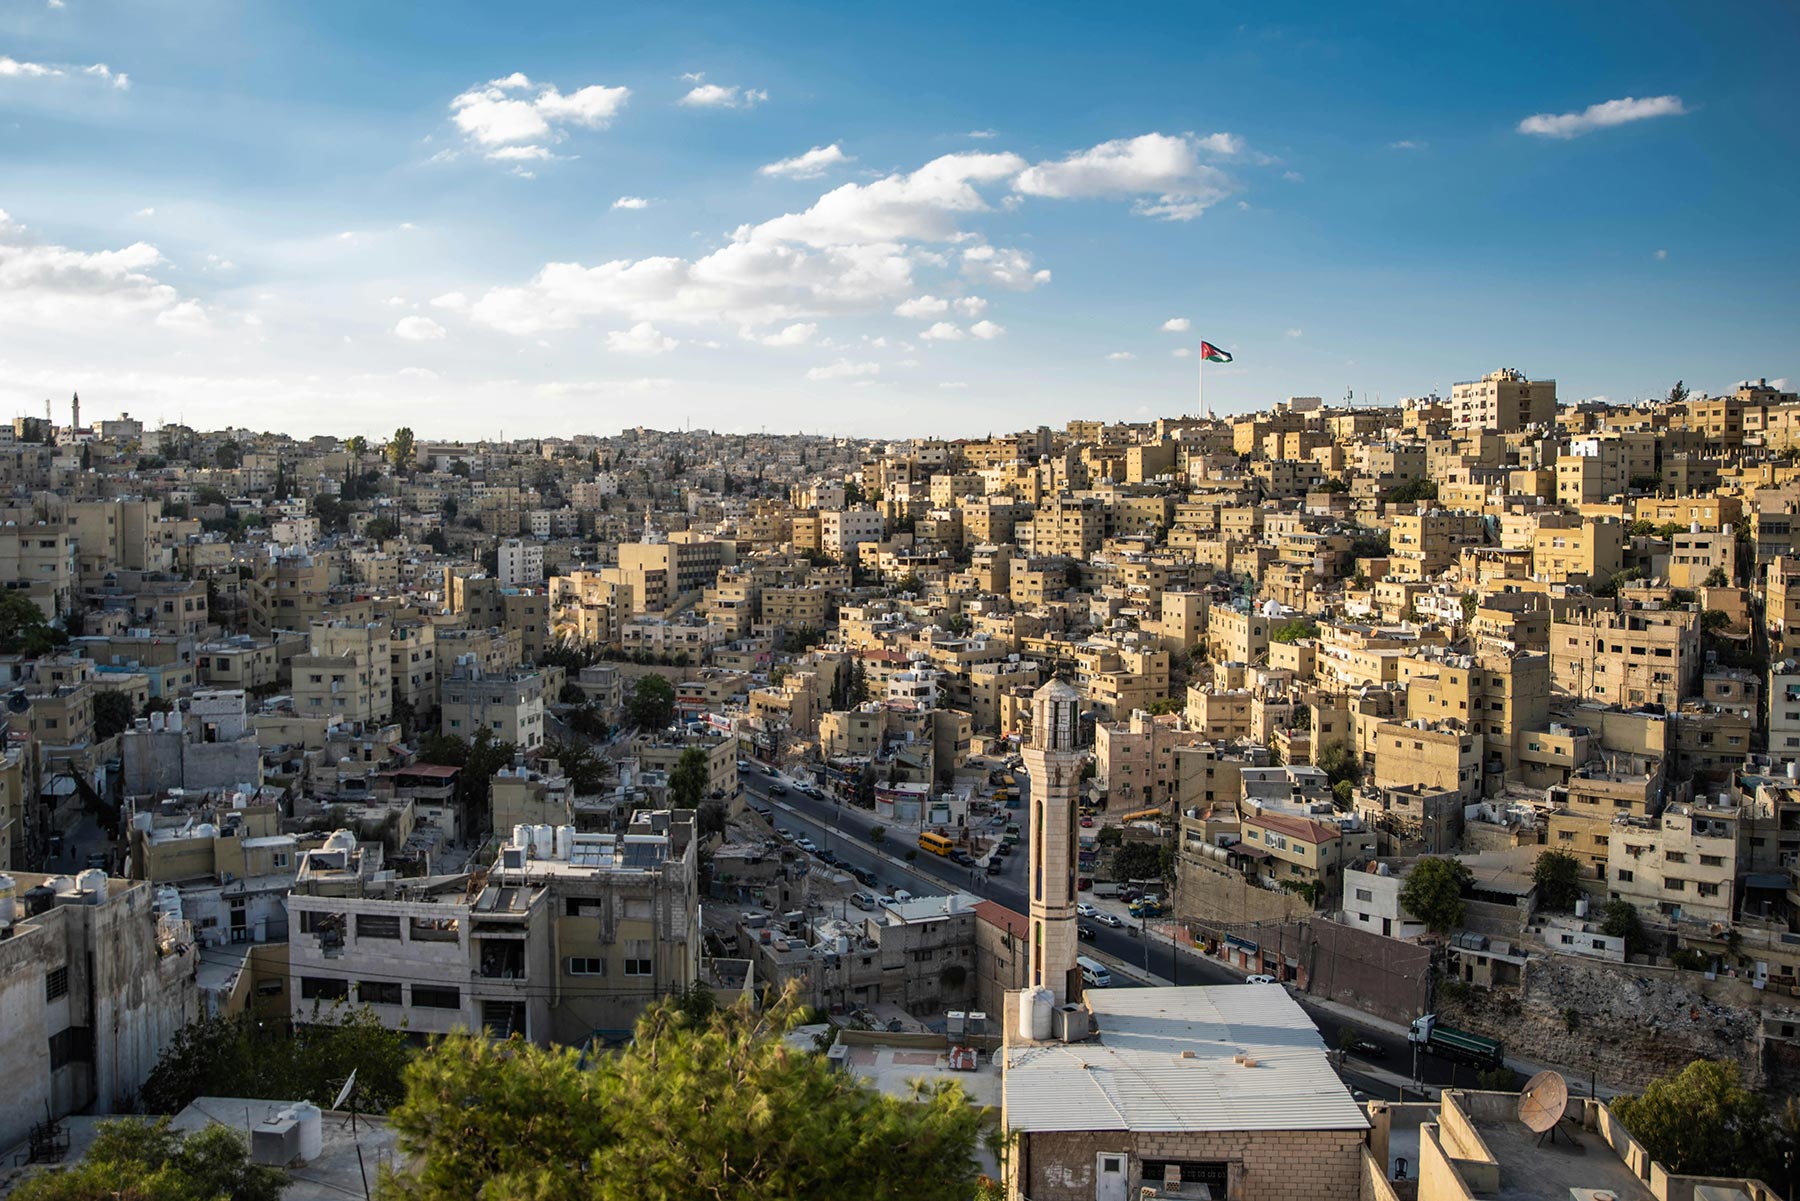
{"points": [[743, 764], [778, 789], [806, 844], [1087, 823], [1086, 910], [1366, 1049], [863, 875], [1110, 919], [784, 835], [1004, 848], [1128, 893], [961, 857], [763, 810], [1086, 931], [863, 900], [812, 790], [995, 866], [1260, 980]]}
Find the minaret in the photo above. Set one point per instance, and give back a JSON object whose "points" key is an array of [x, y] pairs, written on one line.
{"points": [[75, 412], [1053, 759]]}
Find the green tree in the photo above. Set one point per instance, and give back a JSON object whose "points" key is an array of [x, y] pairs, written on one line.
{"points": [[1716, 578], [585, 772], [1339, 763], [229, 455], [1701, 1121], [240, 1056], [877, 835], [651, 705], [1413, 491], [1620, 920], [381, 529], [1294, 630], [1714, 620], [1678, 393], [358, 446], [23, 630], [1557, 875], [698, 1105], [1137, 861], [687, 783], [1433, 892], [400, 449], [134, 1159], [112, 714]]}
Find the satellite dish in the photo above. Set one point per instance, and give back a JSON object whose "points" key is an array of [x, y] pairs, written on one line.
{"points": [[350, 1083], [18, 702], [1542, 1101]]}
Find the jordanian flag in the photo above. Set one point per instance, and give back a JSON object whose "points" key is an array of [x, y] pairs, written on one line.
{"points": [[1213, 354]]}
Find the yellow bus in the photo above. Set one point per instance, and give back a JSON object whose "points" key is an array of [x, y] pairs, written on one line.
{"points": [[937, 844]]}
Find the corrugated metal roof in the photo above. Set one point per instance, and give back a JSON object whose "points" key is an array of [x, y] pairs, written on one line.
{"points": [[1136, 1078]]}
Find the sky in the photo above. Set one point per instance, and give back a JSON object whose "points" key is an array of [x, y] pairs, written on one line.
{"points": [[486, 220]]}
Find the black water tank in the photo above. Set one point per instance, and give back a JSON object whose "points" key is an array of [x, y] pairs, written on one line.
{"points": [[39, 899]]}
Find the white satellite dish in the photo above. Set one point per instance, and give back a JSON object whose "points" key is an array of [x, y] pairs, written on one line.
{"points": [[1542, 1102], [344, 1093]]}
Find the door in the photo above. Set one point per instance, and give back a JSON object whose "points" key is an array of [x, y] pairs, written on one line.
{"points": [[1109, 1176]]}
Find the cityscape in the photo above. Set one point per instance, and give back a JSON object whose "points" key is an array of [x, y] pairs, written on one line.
{"points": [[900, 695]]}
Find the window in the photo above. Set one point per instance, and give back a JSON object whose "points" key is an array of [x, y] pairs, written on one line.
{"points": [[1363, 894], [56, 983], [377, 925], [436, 998], [1625, 875], [321, 988], [378, 992], [638, 953], [586, 966]]}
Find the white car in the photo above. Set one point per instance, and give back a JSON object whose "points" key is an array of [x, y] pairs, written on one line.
{"points": [[1086, 910], [1110, 919], [806, 844], [1261, 980]]}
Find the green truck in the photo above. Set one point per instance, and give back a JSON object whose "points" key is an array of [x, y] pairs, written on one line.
{"points": [[1448, 1042]]}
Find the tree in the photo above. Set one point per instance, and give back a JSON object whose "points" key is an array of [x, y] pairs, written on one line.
{"points": [[1620, 920], [652, 703], [228, 456], [358, 446], [587, 721], [585, 772], [698, 1105], [877, 835], [1701, 1121], [381, 529], [1716, 578], [1294, 631], [1413, 491], [23, 630], [687, 783], [134, 1159], [1433, 892], [1678, 393], [1339, 763], [227, 1056], [112, 714], [1557, 875], [1714, 620], [1137, 861], [400, 449]]}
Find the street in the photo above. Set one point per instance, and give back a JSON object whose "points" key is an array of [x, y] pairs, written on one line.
{"points": [[843, 829]]}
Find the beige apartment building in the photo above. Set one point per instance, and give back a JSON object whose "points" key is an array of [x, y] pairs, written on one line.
{"points": [[1424, 544], [1635, 657], [346, 674], [1503, 400], [1569, 549], [1681, 866], [510, 704]]}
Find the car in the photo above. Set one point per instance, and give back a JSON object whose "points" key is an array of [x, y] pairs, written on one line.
{"points": [[962, 857], [1365, 1048], [778, 789], [1087, 932], [813, 791], [1087, 823], [743, 764], [1110, 919], [863, 875], [999, 819], [885, 900], [828, 857], [97, 859], [1004, 848], [863, 900], [1086, 910], [806, 844], [768, 771], [1260, 980], [1128, 893], [995, 867], [784, 835]]}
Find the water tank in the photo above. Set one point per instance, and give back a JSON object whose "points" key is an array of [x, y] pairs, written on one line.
{"points": [[341, 840], [143, 821], [9, 905], [1036, 1009], [310, 1125], [92, 885], [565, 841], [521, 836], [1581, 906], [543, 840], [207, 830], [60, 885], [38, 899]]}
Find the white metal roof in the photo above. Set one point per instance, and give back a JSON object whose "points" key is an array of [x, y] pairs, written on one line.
{"points": [[1136, 1077]]}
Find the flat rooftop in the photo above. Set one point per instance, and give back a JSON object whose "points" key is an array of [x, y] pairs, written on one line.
{"points": [[1576, 1159]]}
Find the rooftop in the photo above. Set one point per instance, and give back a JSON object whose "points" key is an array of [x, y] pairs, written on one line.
{"points": [[1221, 1057]]}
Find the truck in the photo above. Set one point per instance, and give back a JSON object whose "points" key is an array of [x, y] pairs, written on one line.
{"points": [[1447, 1042], [1106, 888]]}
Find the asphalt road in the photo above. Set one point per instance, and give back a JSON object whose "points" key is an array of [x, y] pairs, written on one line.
{"points": [[843, 829]]}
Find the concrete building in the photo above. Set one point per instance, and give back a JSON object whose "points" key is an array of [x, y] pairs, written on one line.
{"points": [[1629, 658], [94, 983], [1502, 400], [510, 704], [520, 563], [347, 672]]}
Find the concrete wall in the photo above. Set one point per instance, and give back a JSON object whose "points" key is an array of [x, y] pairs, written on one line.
{"points": [[1273, 1165]]}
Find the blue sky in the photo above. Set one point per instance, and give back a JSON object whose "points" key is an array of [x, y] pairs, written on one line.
{"points": [[929, 218]]}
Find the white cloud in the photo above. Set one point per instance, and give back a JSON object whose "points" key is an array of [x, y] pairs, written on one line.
{"points": [[1177, 325], [1221, 143], [642, 338], [1003, 267], [811, 165], [921, 206], [511, 119], [419, 329], [1182, 352], [982, 133], [1120, 356], [631, 202], [1661, 255], [187, 317], [712, 95], [454, 302], [1602, 116], [66, 288], [952, 384], [797, 334], [921, 306], [843, 369], [1406, 144], [1295, 333], [145, 213], [987, 331], [1150, 165], [943, 331], [12, 68], [972, 306], [1293, 177], [693, 77]]}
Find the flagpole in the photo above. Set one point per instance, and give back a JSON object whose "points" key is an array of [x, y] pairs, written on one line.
{"points": [[1202, 356]]}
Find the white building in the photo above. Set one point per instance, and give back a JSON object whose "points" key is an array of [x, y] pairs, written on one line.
{"points": [[841, 531], [521, 563], [1372, 903]]}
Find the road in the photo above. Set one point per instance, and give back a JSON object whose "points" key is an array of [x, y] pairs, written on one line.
{"points": [[843, 829]]}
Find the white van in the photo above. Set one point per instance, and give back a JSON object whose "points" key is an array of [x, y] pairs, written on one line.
{"points": [[1093, 972]]}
